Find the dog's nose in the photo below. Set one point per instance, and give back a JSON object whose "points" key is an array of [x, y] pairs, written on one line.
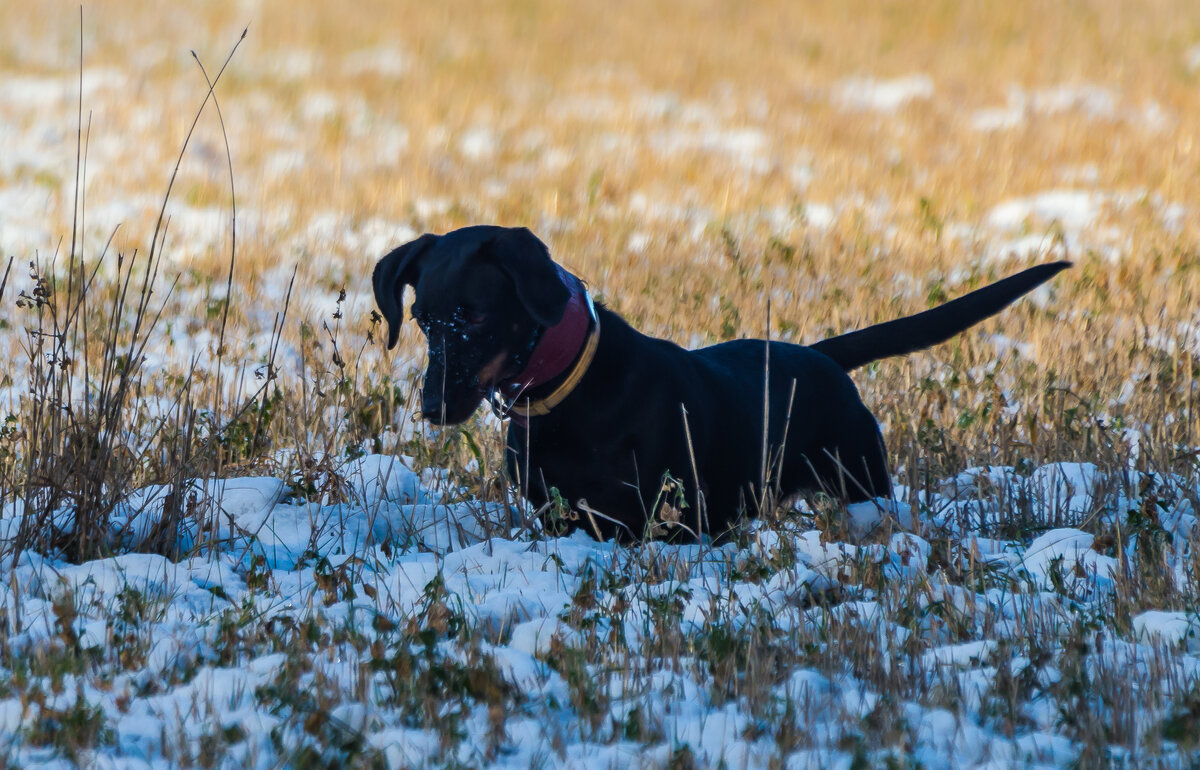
{"points": [[432, 407]]}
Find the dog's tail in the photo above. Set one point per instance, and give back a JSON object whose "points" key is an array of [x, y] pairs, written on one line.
{"points": [[923, 330]]}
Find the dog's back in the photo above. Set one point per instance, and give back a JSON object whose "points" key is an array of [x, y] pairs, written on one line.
{"points": [[813, 416]]}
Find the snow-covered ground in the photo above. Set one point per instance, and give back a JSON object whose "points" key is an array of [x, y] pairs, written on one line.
{"points": [[395, 626], [1043, 615]]}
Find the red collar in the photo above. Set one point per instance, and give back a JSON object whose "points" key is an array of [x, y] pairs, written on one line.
{"points": [[559, 346]]}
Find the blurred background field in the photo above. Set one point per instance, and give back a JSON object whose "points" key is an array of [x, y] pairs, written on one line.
{"points": [[850, 162]]}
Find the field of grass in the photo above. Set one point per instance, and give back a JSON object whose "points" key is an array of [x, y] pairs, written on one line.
{"points": [[845, 162]]}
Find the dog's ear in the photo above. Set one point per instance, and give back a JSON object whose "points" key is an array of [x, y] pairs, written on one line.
{"points": [[398, 269], [527, 261]]}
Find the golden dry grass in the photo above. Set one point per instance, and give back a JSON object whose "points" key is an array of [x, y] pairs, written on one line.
{"points": [[674, 154]]}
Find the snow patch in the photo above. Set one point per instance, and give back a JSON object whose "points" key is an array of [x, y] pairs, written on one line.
{"points": [[1075, 210], [478, 143], [389, 61], [869, 94], [1177, 629]]}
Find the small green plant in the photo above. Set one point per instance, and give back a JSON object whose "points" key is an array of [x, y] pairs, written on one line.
{"points": [[71, 730], [434, 689]]}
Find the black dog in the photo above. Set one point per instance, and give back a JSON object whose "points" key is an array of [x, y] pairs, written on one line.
{"points": [[620, 423]]}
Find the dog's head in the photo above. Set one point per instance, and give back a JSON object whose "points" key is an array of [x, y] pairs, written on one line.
{"points": [[483, 295]]}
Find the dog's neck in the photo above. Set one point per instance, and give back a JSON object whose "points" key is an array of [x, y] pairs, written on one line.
{"points": [[563, 352]]}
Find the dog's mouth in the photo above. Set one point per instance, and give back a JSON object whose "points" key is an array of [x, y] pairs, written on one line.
{"points": [[458, 408], [494, 381], [452, 413], [497, 374], [497, 379]]}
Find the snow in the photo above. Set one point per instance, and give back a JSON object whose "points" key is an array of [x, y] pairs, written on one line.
{"points": [[1067, 556], [374, 479], [405, 553], [536, 637], [1066, 489], [1074, 209], [883, 95], [819, 215], [478, 143], [1086, 100], [1177, 629], [863, 518], [745, 147], [390, 60]]}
